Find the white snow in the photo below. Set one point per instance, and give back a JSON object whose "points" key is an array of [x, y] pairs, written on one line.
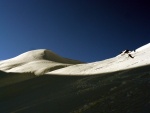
{"points": [[120, 62], [45, 61], [36, 61], [143, 47]]}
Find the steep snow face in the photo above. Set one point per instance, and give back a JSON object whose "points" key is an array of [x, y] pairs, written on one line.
{"points": [[120, 62], [36, 61]]}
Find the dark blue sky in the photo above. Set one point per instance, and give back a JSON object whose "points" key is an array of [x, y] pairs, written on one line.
{"points": [[86, 30]]}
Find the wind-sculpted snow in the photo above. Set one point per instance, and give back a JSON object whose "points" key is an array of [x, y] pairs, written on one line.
{"points": [[126, 90], [36, 61], [44, 61]]}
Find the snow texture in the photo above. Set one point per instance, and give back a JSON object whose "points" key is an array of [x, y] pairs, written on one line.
{"points": [[45, 61], [120, 62], [36, 61]]}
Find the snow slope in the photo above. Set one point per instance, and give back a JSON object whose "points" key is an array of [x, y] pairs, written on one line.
{"points": [[120, 62], [117, 92], [44, 61], [36, 61]]}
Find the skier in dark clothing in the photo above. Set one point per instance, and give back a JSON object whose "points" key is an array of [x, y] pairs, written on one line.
{"points": [[127, 52], [130, 55]]}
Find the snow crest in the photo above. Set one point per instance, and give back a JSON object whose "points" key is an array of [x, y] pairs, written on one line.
{"points": [[36, 61], [143, 47], [45, 61]]}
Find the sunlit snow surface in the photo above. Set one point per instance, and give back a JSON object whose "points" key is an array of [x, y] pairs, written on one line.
{"points": [[120, 62], [44, 61], [36, 61]]}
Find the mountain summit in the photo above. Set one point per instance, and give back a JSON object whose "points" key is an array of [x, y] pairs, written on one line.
{"points": [[121, 84], [45, 61], [36, 61]]}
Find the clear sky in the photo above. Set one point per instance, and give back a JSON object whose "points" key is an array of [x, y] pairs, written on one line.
{"points": [[86, 30]]}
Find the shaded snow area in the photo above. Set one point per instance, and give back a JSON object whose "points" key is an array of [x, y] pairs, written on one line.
{"points": [[45, 61], [124, 91], [116, 85]]}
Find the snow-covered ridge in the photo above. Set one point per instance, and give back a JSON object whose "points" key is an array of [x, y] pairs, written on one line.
{"points": [[137, 58], [143, 47], [36, 61], [43, 54], [45, 61]]}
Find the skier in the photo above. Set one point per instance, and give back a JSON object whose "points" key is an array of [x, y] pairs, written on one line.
{"points": [[127, 52], [130, 55]]}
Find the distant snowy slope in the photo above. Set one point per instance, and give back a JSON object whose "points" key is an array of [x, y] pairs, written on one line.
{"points": [[44, 61], [120, 62], [36, 61]]}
